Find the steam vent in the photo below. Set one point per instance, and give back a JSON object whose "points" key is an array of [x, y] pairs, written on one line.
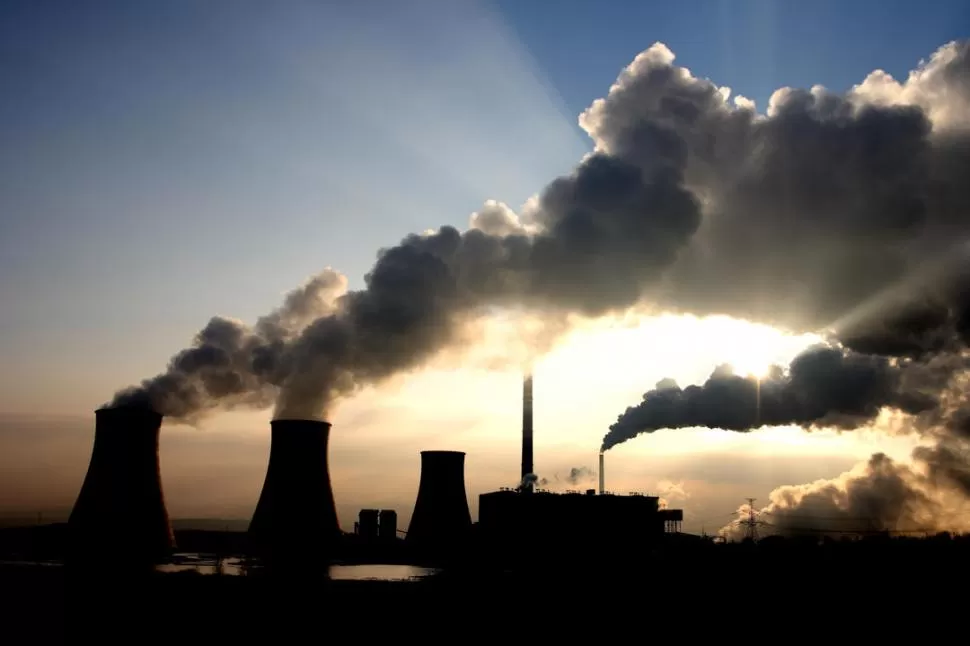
{"points": [[120, 510], [296, 519], [441, 520]]}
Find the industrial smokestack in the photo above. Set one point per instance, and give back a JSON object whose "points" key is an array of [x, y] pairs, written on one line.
{"points": [[527, 481], [441, 520], [120, 510], [602, 475], [296, 518]]}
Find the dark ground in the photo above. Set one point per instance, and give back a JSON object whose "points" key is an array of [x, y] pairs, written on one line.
{"points": [[781, 591]]}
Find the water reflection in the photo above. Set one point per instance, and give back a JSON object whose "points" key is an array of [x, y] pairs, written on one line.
{"points": [[375, 572], [206, 564]]}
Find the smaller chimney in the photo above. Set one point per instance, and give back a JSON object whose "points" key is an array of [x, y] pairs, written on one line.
{"points": [[602, 475]]}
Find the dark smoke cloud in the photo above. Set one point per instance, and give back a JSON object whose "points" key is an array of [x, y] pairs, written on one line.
{"points": [[824, 386], [929, 494], [833, 387], [816, 215], [823, 206]]}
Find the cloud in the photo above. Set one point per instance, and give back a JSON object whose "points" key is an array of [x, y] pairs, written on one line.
{"points": [[837, 212]]}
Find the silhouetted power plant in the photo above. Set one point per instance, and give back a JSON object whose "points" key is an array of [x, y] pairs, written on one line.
{"points": [[441, 519], [570, 520], [296, 515], [120, 510]]}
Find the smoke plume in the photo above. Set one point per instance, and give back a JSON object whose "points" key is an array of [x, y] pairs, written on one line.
{"points": [[578, 475], [879, 495], [575, 476], [824, 387], [827, 212]]}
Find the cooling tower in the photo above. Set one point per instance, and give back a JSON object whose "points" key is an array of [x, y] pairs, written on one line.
{"points": [[441, 520], [120, 511], [295, 519]]}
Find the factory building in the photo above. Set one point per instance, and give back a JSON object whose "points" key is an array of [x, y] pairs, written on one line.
{"points": [[573, 519], [569, 520], [376, 525]]}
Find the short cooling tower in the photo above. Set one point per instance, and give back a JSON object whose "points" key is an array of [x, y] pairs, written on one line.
{"points": [[296, 518], [441, 519], [120, 511]]}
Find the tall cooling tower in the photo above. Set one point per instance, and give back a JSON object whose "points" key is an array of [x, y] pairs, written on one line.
{"points": [[296, 519], [441, 519], [120, 511]]}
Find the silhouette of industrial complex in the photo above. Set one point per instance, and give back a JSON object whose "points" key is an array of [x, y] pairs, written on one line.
{"points": [[528, 544], [121, 511]]}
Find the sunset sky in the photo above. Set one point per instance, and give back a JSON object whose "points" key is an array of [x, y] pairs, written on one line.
{"points": [[167, 162]]}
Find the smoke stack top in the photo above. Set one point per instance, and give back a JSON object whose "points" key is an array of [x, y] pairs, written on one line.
{"points": [[686, 195]]}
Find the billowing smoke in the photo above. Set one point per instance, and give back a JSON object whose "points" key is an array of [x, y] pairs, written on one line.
{"points": [[530, 480], [579, 475], [825, 386], [830, 211], [879, 495], [575, 476], [833, 387]]}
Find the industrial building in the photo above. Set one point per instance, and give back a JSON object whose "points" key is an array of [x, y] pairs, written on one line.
{"points": [[573, 519], [121, 508], [570, 520], [376, 525]]}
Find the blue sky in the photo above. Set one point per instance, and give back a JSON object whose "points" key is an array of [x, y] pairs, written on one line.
{"points": [[752, 46], [164, 162]]}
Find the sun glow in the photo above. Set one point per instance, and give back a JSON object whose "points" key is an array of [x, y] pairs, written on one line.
{"points": [[752, 350], [591, 374]]}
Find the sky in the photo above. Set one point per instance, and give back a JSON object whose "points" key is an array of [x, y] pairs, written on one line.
{"points": [[161, 163]]}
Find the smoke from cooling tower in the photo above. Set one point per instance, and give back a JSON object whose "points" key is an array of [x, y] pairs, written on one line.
{"points": [[690, 202]]}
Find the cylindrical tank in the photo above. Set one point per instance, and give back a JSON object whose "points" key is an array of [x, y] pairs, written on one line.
{"points": [[441, 520], [120, 514], [295, 521]]}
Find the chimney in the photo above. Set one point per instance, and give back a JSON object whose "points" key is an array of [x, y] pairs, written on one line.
{"points": [[441, 520], [120, 510], [296, 519], [527, 465], [602, 475]]}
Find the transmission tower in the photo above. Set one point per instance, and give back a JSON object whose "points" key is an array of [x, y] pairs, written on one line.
{"points": [[751, 522]]}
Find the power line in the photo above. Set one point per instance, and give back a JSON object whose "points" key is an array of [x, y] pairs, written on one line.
{"points": [[751, 522]]}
